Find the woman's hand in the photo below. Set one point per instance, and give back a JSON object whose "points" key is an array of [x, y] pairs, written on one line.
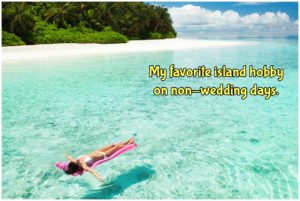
{"points": [[70, 158], [100, 179], [93, 172]]}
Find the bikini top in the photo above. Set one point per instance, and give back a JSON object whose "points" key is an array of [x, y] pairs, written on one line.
{"points": [[87, 160]]}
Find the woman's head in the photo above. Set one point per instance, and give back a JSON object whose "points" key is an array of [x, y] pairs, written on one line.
{"points": [[72, 168]]}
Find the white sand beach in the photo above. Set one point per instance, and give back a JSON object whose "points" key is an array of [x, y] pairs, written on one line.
{"points": [[50, 51]]}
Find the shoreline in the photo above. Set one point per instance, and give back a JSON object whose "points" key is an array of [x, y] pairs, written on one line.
{"points": [[50, 51]]}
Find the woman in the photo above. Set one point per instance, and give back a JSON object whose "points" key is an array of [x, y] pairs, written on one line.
{"points": [[84, 162]]}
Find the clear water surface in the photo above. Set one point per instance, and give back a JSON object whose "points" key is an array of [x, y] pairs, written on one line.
{"points": [[189, 147]]}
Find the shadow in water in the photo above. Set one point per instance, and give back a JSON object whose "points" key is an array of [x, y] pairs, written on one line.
{"points": [[120, 183]]}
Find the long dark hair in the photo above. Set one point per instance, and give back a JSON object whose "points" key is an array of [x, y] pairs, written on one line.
{"points": [[72, 168]]}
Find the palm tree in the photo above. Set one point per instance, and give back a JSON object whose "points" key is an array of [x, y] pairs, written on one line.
{"points": [[63, 14], [108, 13], [18, 18], [85, 9], [90, 15], [133, 19]]}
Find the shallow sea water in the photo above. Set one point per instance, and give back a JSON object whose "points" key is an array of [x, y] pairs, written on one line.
{"points": [[188, 147]]}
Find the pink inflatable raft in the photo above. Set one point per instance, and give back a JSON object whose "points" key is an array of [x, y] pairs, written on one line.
{"points": [[64, 165]]}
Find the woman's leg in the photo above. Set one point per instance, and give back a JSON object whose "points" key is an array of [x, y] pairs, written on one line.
{"points": [[109, 152], [104, 149]]}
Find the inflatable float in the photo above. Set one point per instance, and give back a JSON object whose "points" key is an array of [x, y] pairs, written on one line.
{"points": [[64, 165]]}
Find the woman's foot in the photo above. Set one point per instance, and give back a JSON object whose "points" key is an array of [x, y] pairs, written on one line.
{"points": [[130, 141]]}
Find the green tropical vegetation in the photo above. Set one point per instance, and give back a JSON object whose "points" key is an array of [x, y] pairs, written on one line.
{"points": [[83, 22], [10, 39]]}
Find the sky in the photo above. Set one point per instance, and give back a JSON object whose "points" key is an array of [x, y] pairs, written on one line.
{"points": [[234, 19]]}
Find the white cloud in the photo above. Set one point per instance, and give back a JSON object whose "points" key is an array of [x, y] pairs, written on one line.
{"points": [[248, 3], [195, 18]]}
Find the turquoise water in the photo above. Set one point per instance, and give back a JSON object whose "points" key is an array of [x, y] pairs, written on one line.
{"points": [[189, 147]]}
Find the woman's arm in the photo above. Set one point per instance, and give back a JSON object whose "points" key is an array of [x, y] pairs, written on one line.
{"points": [[93, 172], [70, 158]]}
